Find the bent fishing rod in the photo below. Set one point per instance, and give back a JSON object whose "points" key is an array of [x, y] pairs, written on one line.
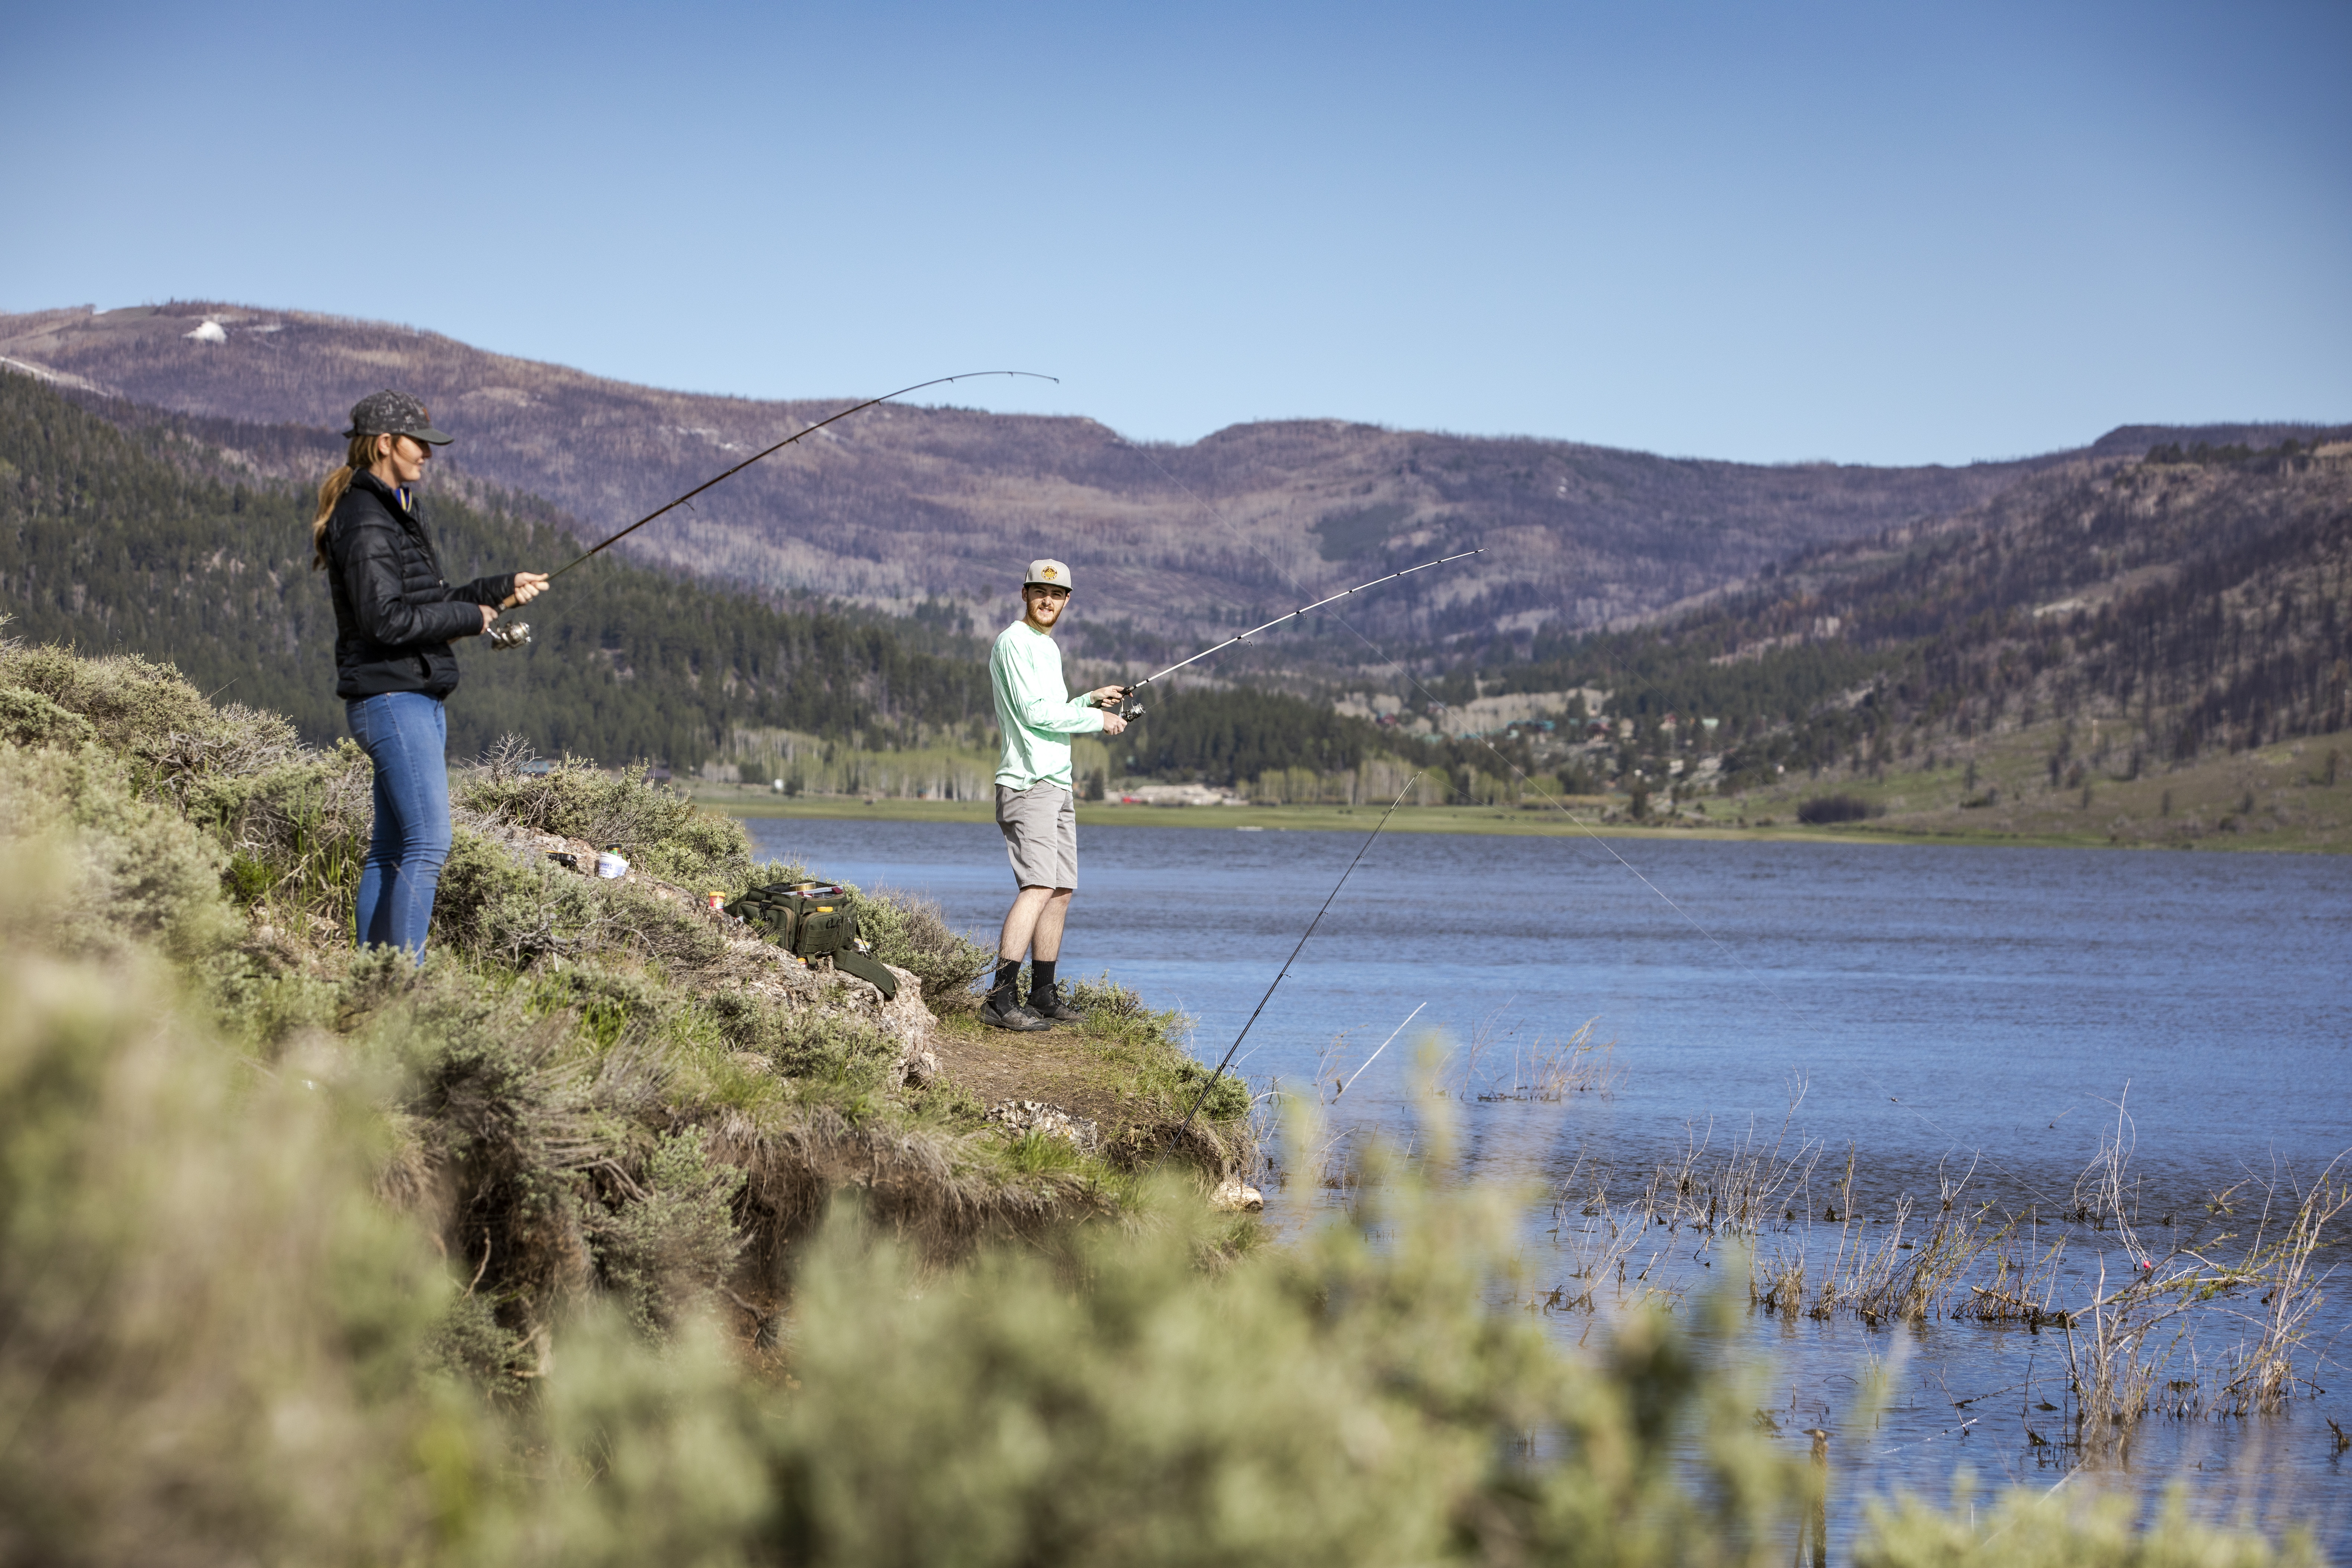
{"points": [[518, 633], [1129, 706]]}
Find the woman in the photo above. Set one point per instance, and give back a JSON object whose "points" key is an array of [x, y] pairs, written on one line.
{"points": [[396, 616]]}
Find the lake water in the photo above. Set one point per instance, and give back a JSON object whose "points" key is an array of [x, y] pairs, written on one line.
{"points": [[1928, 1007]]}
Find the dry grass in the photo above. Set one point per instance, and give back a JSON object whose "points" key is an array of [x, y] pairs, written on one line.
{"points": [[2260, 1377], [1972, 1260], [2024, 1286], [1539, 1067]]}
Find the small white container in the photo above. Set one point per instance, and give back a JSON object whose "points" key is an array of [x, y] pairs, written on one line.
{"points": [[610, 866]]}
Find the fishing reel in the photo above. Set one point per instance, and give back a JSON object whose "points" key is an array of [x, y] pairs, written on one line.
{"points": [[1129, 705], [509, 634]]}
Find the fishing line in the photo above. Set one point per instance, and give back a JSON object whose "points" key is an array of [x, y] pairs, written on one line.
{"points": [[1520, 774], [1294, 952]]}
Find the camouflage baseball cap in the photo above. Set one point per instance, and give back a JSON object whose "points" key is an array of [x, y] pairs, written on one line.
{"points": [[394, 414]]}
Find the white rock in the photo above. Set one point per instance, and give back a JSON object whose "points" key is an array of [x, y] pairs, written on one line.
{"points": [[1234, 1197]]}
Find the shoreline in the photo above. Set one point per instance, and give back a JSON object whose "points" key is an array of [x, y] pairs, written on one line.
{"points": [[1492, 821]]}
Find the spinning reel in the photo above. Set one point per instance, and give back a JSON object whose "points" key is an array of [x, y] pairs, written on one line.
{"points": [[1128, 705], [509, 634]]}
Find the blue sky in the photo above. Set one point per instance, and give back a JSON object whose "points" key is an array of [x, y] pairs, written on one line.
{"points": [[1873, 233]]}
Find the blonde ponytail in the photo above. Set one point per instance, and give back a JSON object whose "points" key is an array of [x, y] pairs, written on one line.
{"points": [[361, 454]]}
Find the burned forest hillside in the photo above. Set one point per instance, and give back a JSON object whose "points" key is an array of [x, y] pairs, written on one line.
{"points": [[906, 507], [147, 537], [2114, 618]]}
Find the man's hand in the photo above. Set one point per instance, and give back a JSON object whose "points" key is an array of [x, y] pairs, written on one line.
{"points": [[1108, 697], [1112, 723], [527, 587], [488, 614]]}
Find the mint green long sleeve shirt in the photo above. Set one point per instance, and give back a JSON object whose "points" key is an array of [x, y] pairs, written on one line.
{"points": [[1034, 709]]}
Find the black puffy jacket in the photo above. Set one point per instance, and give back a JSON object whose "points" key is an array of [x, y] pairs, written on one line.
{"points": [[395, 613]]}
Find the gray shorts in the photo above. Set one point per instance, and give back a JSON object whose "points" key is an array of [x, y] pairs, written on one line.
{"points": [[1041, 834]]}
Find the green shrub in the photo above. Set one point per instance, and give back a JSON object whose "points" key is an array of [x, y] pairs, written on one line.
{"points": [[1228, 1099], [490, 905], [801, 1043], [134, 708], [299, 826], [674, 1240], [661, 832], [911, 933], [1347, 1401], [141, 871], [29, 718], [209, 1334]]}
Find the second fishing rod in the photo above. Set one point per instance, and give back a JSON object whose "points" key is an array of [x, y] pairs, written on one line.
{"points": [[1129, 704]]}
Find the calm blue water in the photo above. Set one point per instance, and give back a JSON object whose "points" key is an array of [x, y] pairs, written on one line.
{"points": [[1932, 1005]]}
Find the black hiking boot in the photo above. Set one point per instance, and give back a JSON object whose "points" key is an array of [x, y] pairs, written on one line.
{"points": [[1001, 1012], [1049, 1006]]}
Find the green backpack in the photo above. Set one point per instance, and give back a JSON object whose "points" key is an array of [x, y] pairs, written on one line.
{"points": [[812, 919]]}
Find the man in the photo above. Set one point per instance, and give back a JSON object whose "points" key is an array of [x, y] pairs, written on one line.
{"points": [[1038, 716]]}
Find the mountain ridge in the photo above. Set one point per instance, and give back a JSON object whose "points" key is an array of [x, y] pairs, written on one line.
{"points": [[907, 505], [117, 535]]}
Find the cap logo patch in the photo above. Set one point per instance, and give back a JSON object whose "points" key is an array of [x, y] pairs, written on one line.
{"points": [[1047, 573]]}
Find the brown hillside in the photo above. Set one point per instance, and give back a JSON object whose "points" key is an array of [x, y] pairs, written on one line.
{"points": [[903, 504]]}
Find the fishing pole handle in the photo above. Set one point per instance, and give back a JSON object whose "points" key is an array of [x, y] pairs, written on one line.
{"points": [[1127, 704]]}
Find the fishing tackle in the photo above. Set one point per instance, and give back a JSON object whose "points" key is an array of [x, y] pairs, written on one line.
{"points": [[1129, 706], [1202, 1098], [519, 634]]}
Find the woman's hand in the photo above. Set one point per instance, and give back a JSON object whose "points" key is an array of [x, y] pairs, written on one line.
{"points": [[488, 614], [527, 587]]}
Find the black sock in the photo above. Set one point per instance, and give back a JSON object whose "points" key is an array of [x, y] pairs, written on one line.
{"points": [[1003, 990], [1041, 978]]}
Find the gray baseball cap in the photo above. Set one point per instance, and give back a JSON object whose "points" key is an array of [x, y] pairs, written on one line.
{"points": [[394, 414], [1047, 573]]}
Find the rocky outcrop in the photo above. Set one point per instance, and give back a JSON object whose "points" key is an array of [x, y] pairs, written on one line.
{"points": [[1036, 1116], [753, 963]]}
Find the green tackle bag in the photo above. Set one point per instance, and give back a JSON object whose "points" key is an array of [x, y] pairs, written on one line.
{"points": [[812, 919]]}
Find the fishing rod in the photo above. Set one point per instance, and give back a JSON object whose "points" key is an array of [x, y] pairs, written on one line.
{"points": [[1130, 707], [1294, 952], [518, 633]]}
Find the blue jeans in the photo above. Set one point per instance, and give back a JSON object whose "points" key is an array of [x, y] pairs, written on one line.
{"points": [[406, 735]]}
